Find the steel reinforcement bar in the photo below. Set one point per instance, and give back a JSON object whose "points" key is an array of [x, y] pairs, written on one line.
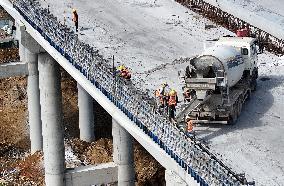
{"points": [[189, 154], [267, 41]]}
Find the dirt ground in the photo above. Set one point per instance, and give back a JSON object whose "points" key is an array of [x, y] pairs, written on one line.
{"points": [[10, 54]]}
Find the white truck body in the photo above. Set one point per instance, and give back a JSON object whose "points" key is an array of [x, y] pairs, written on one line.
{"points": [[221, 78]]}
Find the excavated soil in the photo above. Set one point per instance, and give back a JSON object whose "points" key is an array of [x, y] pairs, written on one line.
{"points": [[9, 54], [147, 170]]}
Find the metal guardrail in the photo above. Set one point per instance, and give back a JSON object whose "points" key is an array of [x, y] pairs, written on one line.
{"points": [[267, 41], [189, 154]]}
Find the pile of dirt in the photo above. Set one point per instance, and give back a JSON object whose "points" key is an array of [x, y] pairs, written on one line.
{"points": [[147, 170], [13, 112], [9, 55], [4, 14], [25, 171]]}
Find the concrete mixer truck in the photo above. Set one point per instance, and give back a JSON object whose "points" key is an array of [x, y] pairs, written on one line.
{"points": [[220, 80]]}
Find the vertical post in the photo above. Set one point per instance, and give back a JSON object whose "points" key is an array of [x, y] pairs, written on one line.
{"points": [[86, 115], [34, 102], [123, 155], [22, 52], [52, 125]]}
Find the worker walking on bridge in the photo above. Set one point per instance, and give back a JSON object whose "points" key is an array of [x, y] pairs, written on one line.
{"points": [[162, 96], [75, 19], [173, 99]]}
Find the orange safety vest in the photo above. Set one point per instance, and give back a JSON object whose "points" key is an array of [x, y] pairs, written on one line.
{"points": [[190, 126], [75, 17], [172, 100], [125, 73], [157, 93]]}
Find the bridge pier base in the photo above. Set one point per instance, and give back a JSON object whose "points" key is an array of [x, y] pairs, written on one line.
{"points": [[34, 101], [86, 115], [123, 155], [51, 114]]}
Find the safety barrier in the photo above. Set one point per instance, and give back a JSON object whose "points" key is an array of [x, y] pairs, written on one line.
{"points": [[192, 156], [267, 41]]}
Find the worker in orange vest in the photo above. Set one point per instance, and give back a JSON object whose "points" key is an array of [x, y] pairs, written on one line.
{"points": [[123, 72], [75, 18], [190, 131], [172, 102]]}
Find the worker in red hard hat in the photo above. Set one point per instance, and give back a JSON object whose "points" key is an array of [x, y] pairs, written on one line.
{"points": [[75, 18]]}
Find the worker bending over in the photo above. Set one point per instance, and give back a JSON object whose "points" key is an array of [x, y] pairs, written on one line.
{"points": [[123, 72], [75, 19]]}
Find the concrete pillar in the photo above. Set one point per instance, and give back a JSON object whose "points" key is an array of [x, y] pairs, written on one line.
{"points": [[86, 115], [20, 28], [22, 52], [123, 155], [34, 102], [173, 179], [51, 115]]}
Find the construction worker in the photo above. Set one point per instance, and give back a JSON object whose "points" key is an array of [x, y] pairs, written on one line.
{"points": [[186, 95], [75, 18], [162, 96], [172, 103], [123, 72], [189, 124]]}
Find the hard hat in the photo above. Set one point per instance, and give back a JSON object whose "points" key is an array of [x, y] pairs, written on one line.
{"points": [[121, 67], [172, 92], [164, 84], [74, 10]]}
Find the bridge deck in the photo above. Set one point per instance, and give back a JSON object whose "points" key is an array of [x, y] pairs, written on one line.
{"points": [[151, 60]]}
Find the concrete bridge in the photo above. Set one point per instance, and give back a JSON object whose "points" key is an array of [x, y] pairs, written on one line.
{"points": [[43, 49]]}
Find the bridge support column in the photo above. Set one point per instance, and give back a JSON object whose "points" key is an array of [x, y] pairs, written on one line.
{"points": [[173, 179], [86, 115], [34, 101], [20, 28], [123, 154], [51, 114]]}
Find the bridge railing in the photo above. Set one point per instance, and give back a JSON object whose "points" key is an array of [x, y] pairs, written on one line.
{"points": [[192, 156]]}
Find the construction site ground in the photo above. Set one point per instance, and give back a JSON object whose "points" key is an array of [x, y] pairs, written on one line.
{"points": [[148, 35]]}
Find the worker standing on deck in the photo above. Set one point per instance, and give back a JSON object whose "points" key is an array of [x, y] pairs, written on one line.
{"points": [[172, 102], [162, 96], [75, 18], [189, 124]]}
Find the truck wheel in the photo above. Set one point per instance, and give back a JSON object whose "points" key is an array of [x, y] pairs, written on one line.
{"points": [[233, 116], [239, 107], [253, 85]]}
